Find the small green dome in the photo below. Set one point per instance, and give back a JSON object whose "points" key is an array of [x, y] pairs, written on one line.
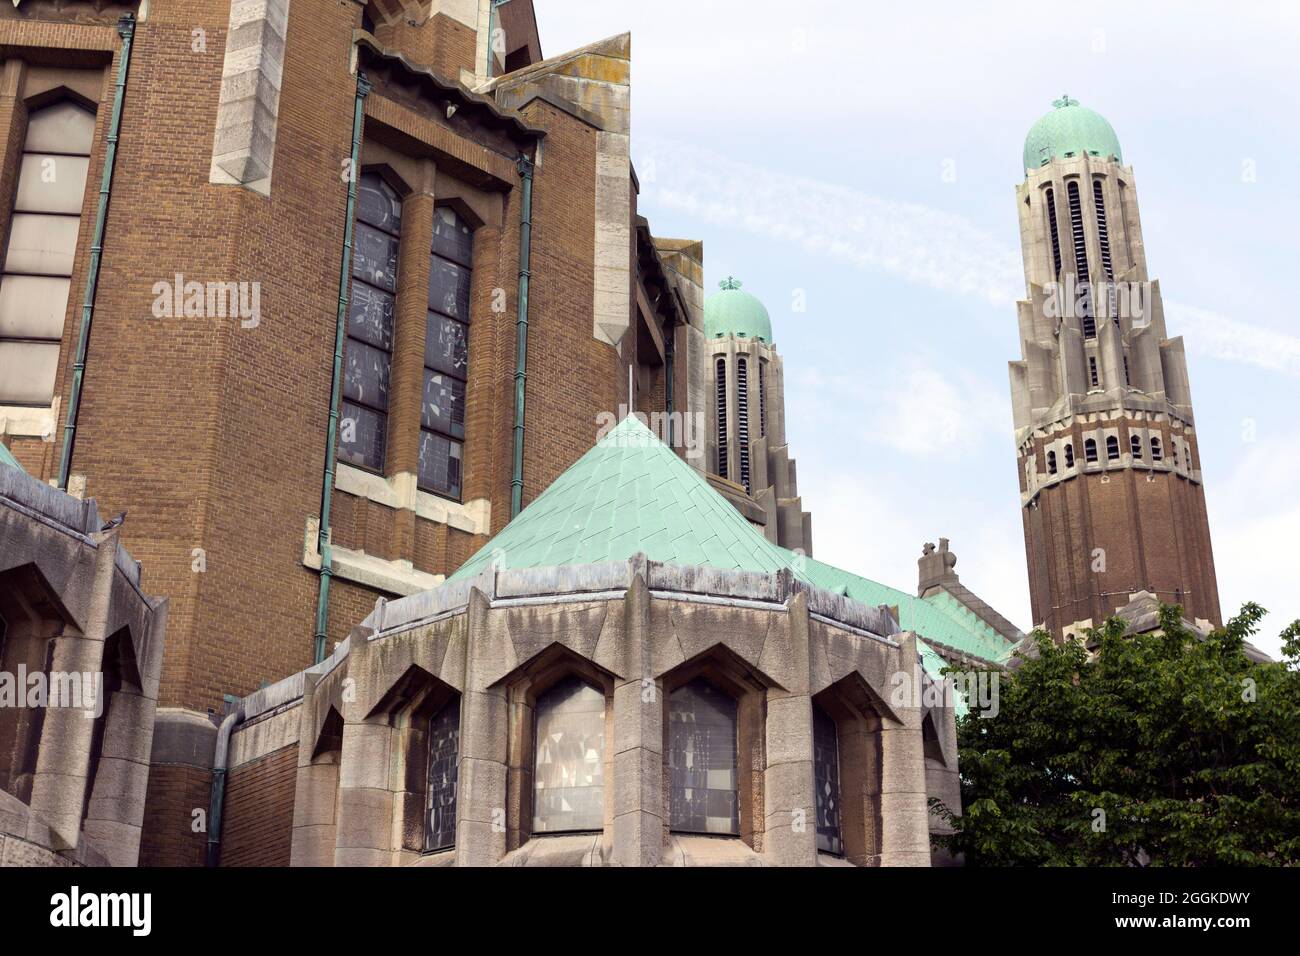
{"points": [[1070, 130], [729, 311]]}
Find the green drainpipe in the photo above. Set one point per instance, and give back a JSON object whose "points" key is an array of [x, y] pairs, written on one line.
{"points": [[126, 30], [521, 330], [336, 383]]}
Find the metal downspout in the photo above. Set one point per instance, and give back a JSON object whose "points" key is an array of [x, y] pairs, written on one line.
{"points": [[219, 760], [126, 30], [336, 382], [525, 166]]}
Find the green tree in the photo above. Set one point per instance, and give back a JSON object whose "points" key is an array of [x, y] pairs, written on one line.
{"points": [[1157, 749]]}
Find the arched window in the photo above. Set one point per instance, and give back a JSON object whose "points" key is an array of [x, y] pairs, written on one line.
{"points": [[569, 764], [742, 417], [722, 417], [37, 275], [446, 354], [1081, 274], [1090, 449], [1112, 447], [1157, 453], [1135, 445], [1056, 237], [369, 348], [444, 758], [1069, 455], [1051, 462], [703, 795], [826, 782]]}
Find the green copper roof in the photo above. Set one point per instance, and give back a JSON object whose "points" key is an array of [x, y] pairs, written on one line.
{"points": [[6, 458], [732, 311], [941, 618], [1069, 130], [629, 494]]}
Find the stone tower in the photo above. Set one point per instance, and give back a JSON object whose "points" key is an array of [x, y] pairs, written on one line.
{"points": [[1110, 471], [746, 417]]}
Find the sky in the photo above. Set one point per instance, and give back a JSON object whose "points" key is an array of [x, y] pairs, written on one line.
{"points": [[854, 165]]}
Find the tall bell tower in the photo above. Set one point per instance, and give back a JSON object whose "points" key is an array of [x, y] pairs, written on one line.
{"points": [[1110, 469]]}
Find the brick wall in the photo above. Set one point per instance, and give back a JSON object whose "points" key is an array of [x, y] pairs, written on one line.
{"points": [[257, 828], [168, 837]]}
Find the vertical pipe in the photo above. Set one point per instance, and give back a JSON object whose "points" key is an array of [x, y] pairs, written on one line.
{"points": [[126, 30], [525, 166], [336, 381]]}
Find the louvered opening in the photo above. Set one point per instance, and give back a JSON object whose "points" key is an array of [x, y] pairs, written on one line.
{"points": [[742, 418], [1103, 238], [1056, 235], [1092, 371], [1051, 462], [1081, 255], [762, 399], [1112, 447], [1135, 446], [1069, 456], [1090, 449], [722, 417]]}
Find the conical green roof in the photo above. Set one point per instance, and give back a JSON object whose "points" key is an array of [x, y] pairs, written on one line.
{"points": [[1069, 130], [631, 494], [732, 311]]}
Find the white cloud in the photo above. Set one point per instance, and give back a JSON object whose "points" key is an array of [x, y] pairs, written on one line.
{"points": [[926, 246]]}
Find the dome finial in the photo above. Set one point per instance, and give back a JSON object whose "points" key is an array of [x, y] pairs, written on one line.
{"points": [[730, 282], [1064, 101]]}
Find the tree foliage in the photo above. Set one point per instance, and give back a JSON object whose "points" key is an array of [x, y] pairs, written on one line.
{"points": [[1158, 749]]}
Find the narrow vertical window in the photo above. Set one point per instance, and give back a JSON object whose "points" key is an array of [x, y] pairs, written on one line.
{"points": [[826, 782], [722, 417], [702, 760], [1090, 449], [1081, 274], [762, 399], [1157, 453], [1051, 462], [444, 757], [42, 244], [1103, 238], [369, 347], [1056, 236], [1069, 455], [1127, 380], [1135, 446], [742, 417], [1112, 448], [446, 355], [1092, 371], [569, 766]]}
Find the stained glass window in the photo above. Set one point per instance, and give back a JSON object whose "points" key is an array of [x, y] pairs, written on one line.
{"points": [[369, 345], [826, 782], [702, 760], [444, 754], [446, 354], [569, 770]]}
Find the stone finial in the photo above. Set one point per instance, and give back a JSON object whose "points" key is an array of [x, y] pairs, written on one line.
{"points": [[935, 566]]}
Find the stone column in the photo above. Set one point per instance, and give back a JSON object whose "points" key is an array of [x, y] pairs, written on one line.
{"points": [[406, 376], [638, 737], [365, 790], [315, 821], [905, 834], [481, 792], [63, 760], [790, 812], [13, 132], [115, 816]]}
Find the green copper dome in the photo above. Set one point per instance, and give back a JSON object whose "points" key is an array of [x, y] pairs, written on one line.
{"points": [[729, 311], [1069, 130]]}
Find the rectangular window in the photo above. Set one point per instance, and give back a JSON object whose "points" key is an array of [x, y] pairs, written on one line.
{"points": [[440, 797], [368, 354], [37, 274], [446, 354], [1092, 370]]}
